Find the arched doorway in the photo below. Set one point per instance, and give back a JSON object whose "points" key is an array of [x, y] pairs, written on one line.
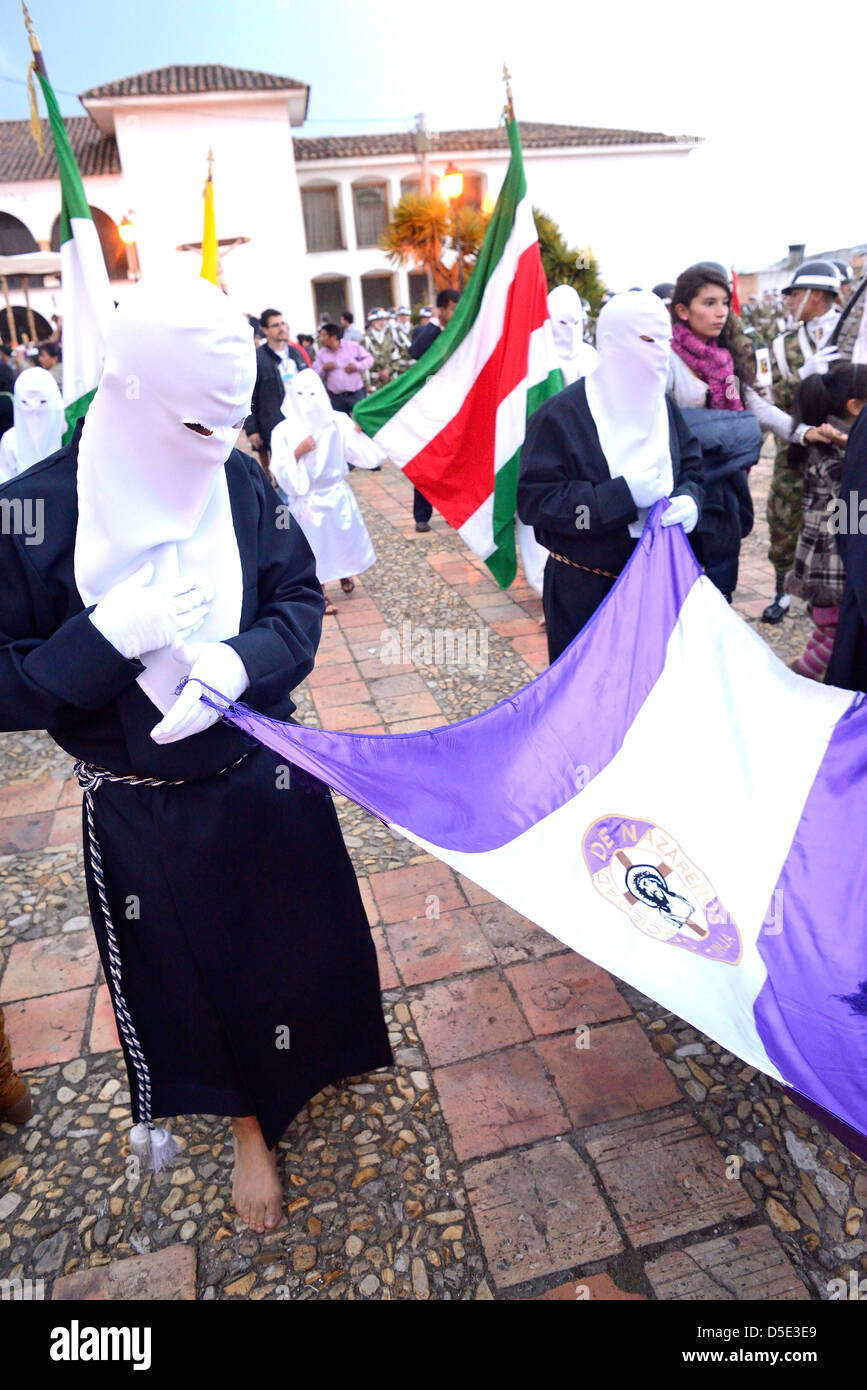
{"points": [[15, 239], [22, 323], [113, 249]]}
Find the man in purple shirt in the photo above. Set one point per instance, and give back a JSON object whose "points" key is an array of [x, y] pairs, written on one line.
{"points": [[340, 364]]}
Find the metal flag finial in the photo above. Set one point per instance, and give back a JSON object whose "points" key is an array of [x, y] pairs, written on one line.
{"points": [[509, 108]]}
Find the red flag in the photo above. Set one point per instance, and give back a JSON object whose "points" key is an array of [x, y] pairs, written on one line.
{"points": [[736, 299]]}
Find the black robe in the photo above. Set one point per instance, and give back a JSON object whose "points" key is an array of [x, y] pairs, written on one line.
{"points": [[247, 963], [848, 665], [563, 468]]}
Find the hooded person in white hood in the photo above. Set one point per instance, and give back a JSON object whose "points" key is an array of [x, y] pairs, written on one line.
{"points": [[38, 423], [577, 358], [224, 903], [310, 453], [598, 455]]}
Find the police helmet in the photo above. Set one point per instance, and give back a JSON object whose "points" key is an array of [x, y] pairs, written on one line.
{"points": [[815, 275]]}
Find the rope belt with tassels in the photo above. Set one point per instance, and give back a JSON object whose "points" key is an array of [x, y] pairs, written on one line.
{"points": [[155, 1146], [564, 560]]}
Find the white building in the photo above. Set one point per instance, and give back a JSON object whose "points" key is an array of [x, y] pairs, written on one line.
{"points": [[310, 210]]}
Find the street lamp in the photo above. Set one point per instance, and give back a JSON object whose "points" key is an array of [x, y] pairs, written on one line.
{"points": [[452, 185], [128, 235]]}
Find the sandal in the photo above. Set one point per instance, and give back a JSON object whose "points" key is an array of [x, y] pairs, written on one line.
{"points": [[347, 585], [330, 607]]}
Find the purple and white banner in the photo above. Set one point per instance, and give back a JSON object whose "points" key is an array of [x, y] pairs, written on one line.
{"points": [[672, 802]]}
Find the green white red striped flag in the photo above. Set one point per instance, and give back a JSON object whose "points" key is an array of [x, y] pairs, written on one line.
{"points": [[87, 302], [455, 422]]}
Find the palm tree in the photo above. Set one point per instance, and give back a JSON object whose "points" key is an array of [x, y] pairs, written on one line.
{"points": [[563, 265], [419, 226]]}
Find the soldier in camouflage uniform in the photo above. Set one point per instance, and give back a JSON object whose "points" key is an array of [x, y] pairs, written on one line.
{"points": [[379, 342], [795, 354], [851, 323], [402, 334]]}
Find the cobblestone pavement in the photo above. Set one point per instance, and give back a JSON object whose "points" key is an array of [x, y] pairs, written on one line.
{"points": [[496, 1160]]}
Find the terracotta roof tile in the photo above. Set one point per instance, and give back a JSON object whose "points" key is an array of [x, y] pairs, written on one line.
{"points": [[20, 159], [534, 135], [189, 79], [97, 153]]}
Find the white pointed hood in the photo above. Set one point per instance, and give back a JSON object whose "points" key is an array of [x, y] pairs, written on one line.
{"points": [[577, 358], [177, 352], [626, 392]]}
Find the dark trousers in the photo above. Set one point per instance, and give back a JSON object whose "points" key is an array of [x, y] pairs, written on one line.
{"points": [[570, 597], [422, 509], [345, 400]]}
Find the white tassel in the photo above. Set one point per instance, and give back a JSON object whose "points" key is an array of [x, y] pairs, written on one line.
{"points": [[164, 1149], [140, 1143], [155, 1148]]}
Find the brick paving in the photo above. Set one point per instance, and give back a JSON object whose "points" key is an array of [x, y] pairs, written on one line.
{"points": [[546, 1133]]}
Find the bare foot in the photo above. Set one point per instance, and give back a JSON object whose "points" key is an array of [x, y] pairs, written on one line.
{"points": [[256, 1190]]}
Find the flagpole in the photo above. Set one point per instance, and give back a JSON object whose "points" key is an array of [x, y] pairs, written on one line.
{"points": [[509, 108]]}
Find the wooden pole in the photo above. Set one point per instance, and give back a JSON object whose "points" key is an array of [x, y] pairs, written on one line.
{"points": [[25, 285], [10, 317]]}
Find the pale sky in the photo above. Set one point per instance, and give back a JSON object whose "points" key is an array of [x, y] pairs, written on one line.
{"points": [[782, 150]]}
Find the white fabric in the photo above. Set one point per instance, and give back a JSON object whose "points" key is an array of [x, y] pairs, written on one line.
{"points": [[577, 358], [149, 489], [534, 556], [320, 499], [39, 422], [749, 792], [626, 392]]}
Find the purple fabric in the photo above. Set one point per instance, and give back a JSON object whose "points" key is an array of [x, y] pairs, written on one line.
{"points": [[812, 1011], [512, 765]]}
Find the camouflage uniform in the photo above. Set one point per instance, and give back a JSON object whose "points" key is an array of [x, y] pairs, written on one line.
{"points": [[386, 357], [851, 324], [403, 340], [784, 510]]}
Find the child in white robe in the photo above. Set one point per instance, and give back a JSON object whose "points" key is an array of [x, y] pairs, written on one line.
{"points": [[310, 452], [39, 423]]}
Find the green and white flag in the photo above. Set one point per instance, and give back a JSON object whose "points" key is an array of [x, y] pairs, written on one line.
{"points": [[455, 422], [87, 302]]}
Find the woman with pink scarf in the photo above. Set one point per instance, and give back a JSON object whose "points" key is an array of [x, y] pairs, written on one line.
{"points": [[712, 379]]}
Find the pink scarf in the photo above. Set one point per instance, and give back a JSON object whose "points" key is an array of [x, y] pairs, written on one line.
{"points": [[711, 363]]}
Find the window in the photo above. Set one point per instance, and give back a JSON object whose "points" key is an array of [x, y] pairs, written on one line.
{"points": [[410, 186], [331, 298], [376, 293], [371, 213], [321, 219], [418, 288]]}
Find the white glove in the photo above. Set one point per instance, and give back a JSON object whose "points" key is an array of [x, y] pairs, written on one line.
{"points": [[213, 664], [681, 509], [820, 361], [646, 485], [136, 616]]}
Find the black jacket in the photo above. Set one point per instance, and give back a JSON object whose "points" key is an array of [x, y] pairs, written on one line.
{"points": [[563, 467], [57, 672], [424, 336], [268, 392]]}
